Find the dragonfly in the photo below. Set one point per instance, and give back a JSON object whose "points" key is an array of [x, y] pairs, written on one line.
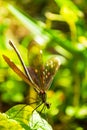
{"points": [[39, 75]]}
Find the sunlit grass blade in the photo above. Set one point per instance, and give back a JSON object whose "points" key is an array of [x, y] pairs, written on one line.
{"points": [[31, 24], [39, 34]]}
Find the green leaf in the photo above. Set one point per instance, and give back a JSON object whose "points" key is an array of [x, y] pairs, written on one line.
{"points": [[38, 123], [20, 113], [9, 124], [27, 118]]}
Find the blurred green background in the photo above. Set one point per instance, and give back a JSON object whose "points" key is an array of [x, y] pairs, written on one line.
{"points": [[60, 27]]}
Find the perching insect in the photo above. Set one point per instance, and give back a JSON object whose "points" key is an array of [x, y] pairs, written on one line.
{"points": [[38, 74]]}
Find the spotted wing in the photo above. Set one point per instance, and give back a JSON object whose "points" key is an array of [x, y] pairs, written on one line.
{"points": [[35, 64], [50, 69]]}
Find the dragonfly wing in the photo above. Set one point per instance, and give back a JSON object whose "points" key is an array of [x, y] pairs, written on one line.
{"points": [[16, 69], [35, 63], [50, 69]]}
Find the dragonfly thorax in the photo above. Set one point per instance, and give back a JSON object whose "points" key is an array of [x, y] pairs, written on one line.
{"points": [[43, 98]]}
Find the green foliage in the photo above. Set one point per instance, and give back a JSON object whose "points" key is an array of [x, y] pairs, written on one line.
{"points": [[20, 117], [60, 28]]}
